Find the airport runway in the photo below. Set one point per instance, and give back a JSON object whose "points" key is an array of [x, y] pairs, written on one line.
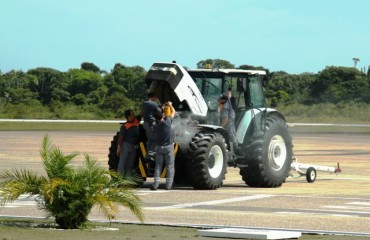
{"points": [[333, 203]]}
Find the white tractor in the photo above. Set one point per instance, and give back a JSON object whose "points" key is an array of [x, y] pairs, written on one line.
{"points": [[203, 150]]}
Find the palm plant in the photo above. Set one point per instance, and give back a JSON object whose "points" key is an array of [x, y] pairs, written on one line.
{"points": [[68, 194]]}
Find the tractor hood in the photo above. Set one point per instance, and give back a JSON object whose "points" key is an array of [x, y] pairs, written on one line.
{"points": [[171, 82]]}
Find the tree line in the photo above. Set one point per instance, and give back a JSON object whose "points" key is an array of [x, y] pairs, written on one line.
{"points": [[108, 94]]}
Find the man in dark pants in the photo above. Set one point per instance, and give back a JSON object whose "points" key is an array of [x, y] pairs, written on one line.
{"points": [[148, 109], [165, 153], [128, 139]]}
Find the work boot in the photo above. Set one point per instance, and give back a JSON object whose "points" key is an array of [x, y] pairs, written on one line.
{"points": [[169, 187]]}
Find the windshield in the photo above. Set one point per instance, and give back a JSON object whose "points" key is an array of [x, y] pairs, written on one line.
{"points": [[211, 90]]}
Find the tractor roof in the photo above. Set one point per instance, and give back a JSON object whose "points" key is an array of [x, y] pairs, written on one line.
{"points": [[230, 71]]}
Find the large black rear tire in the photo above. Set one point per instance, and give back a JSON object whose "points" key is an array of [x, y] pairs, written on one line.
{"points": [[270, 156], [208, 160], [182, 162], [112, 156]]}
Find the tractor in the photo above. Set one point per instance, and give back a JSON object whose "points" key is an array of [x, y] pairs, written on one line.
{"points": [[203, 152]]}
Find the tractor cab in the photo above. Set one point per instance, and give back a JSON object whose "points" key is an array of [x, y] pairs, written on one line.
{"points": [[245, 88]]}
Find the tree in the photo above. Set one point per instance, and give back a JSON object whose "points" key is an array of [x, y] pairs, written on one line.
{"points": [[45, 81], [90, 67], [215, 63], [355, 60], [83, 82], [118, 103], [21, 95], [336, 84], [14, 87], [132, 79], [68, 194], [289, 88]]}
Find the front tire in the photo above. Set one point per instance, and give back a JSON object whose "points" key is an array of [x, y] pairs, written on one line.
{"points": [[208, 154], [269, 156]]}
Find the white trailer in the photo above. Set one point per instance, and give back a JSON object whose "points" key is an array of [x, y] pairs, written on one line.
{"points": [[310, 171]]}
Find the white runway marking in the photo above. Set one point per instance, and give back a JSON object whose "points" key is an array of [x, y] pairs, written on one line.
{"points": [[214, 202], [360, 203], [20, 204], [22, 201]]}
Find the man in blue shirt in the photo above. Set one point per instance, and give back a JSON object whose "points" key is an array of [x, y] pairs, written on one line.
{"points": [[148, 109], [165, 152]]}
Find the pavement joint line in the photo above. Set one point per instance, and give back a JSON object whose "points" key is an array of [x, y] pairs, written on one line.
{"points": [[321, 211], [213, 202], [347, 207], [319, 197], [315, 213]]}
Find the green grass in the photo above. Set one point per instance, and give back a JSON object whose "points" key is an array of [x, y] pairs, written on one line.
{"points": [[295, 113], [32, 229], [112, 127], [349, 112], [328, 129], [327, 113]]}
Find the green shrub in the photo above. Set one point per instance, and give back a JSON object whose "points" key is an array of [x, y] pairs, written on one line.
{"points": [[68, 194]]}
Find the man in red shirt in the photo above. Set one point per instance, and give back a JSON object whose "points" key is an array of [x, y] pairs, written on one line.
{"points": [[128, 144]]}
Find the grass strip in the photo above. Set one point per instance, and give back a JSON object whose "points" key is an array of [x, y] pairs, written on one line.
{"points": [[58, 126], [43, 229]]}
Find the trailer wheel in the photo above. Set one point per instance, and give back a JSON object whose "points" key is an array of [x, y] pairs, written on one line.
{"points": [[208, 160], [311, 174]]}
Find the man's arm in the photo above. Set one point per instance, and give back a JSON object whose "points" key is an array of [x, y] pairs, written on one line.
{"points": [[173, 111], [120, 140]]}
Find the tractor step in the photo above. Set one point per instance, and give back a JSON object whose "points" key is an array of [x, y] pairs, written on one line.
{"points": [[241, 165]]}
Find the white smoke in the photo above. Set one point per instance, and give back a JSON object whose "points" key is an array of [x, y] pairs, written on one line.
{"points": [[184, 129]]}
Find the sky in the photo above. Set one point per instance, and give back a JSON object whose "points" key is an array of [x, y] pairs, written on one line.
{"points": [[295, 36]]}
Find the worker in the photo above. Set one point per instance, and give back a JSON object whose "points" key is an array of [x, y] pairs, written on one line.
{"points": [[227, 117], [148, 109], [165, 152], [128, 139], [231, 97]]}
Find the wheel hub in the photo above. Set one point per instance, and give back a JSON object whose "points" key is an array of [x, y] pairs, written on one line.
{"points": [[211, 161], [215, 161], [277, 153]]}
